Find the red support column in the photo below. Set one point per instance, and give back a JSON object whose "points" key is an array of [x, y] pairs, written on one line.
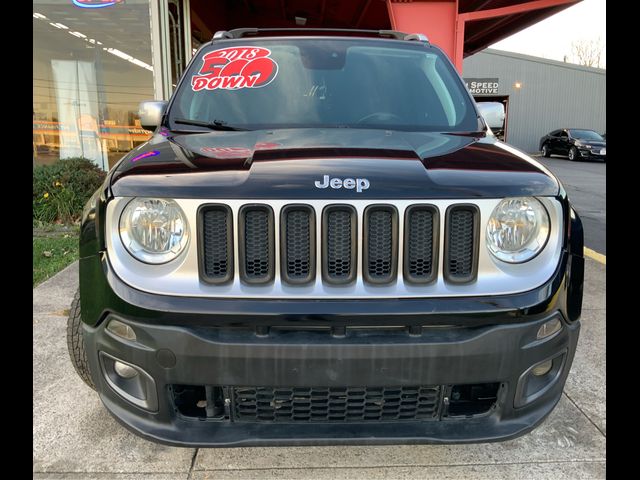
{"points": [[458, 51], [436, 19]]}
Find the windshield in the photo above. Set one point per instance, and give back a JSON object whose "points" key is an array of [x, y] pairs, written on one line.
{"points": [[328, 82], [586, 135]]}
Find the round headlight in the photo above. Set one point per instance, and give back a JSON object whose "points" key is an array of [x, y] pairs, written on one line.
{"points": [[153, 230], [518, 229]]}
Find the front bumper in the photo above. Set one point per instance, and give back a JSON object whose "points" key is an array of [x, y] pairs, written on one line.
{"points": [[593, 153], [441, 343]]}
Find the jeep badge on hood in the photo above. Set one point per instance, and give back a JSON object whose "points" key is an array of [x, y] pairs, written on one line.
{"points": [[359, 184]]}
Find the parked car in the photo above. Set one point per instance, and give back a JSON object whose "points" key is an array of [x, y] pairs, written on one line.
{"points": [[576, 143], [302, 254]]}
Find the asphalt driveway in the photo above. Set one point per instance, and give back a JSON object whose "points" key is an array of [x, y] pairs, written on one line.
{"points": [[586, 184], [75, 438]]}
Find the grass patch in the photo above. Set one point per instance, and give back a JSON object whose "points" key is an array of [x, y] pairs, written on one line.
{"points": [[52, 253]]}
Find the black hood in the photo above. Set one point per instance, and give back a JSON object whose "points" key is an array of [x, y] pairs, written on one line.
{"points": [[286, 164]]}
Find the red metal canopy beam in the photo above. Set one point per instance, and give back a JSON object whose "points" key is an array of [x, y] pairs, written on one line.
{"points": [[513, 10], [497, 24], [443, 23]]}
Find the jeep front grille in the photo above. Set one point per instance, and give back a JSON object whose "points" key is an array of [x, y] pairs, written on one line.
{"points": [[340, 241]]}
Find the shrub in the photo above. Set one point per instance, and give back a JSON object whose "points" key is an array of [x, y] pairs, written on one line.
{"points": [[61, 190]]}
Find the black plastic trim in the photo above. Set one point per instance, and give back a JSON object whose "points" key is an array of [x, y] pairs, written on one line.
{"points": [[354, 244], [283, 243], [476, 243], [435, 243], [557, 369], [307, 359], [201, 247], [394, 244], [270, 241], [143, 383]]}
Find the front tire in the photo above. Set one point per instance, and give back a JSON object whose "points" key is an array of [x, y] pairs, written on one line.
{"points": [[75, 343], [573, 154], [545, 151]]}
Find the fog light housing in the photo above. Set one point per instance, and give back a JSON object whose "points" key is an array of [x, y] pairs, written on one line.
{"points": [[549, 328], [121, 330], [130, 381], [124, 370], [542, 368], [539, 378]]}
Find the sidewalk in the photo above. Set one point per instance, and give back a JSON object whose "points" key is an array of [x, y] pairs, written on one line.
{"points": [[75, 438]]}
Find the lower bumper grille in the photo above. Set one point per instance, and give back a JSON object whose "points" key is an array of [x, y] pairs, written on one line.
{"points": [[334, 404]]}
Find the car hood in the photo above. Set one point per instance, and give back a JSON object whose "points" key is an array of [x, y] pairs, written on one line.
{"points": [[287, 163]]}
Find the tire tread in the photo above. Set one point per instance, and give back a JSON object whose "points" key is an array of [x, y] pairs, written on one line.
{"points": [[75, 342]]}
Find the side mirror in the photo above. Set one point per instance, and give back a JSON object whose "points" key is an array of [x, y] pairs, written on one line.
{"points": [[151, 112], [493, 113]]}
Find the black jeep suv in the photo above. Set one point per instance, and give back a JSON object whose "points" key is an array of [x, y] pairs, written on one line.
{"points": [[322, 244]]}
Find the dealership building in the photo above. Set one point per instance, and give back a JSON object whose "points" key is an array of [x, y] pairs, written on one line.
{"points": [[94, 61], [539, 95]]}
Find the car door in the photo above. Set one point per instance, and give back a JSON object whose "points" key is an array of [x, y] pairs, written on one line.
{"points": [[552, 139], [563, 143]]}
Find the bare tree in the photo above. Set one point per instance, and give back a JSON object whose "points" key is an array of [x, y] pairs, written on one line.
{"points": [[587, 52]]}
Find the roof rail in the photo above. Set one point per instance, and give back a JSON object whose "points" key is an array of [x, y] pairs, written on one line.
{"points": [[221, 34], [419, 37], [248, 32]]}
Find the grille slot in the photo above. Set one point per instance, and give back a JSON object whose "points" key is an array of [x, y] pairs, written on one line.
{"points": [[334, 404], [339, 244], [421, 243], [380, 245], [297, 241], [461, 245], [216, 244], [256, 244]]}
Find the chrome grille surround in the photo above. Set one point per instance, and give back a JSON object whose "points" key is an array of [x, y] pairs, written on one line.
{"points": [[181, 276]]}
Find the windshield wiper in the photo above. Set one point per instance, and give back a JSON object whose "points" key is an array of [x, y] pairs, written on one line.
{"points": [[214, 125]]}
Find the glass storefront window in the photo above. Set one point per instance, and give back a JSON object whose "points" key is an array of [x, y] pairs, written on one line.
{"points": [[91, 69]]}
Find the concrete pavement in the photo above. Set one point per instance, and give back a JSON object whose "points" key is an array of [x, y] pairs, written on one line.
{"points": [[75, 438]]}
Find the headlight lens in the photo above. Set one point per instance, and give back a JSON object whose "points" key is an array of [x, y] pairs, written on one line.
{"points": [[518, 229], [153, 230]]}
